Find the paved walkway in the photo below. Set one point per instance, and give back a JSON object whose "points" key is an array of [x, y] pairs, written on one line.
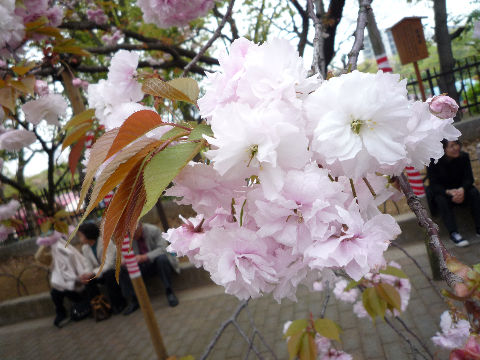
{"points": [[189, 327]]}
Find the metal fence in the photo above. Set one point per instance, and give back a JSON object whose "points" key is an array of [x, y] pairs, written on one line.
{"points": [[29, 219], [467, 82]]}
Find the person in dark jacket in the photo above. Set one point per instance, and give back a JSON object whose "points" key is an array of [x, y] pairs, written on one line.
{"points": [[451, 183]]}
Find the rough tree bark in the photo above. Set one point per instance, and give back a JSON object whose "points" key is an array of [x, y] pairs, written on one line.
{"points": [[446, 82]]}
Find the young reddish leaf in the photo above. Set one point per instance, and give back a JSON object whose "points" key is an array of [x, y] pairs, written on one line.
{"points": [[116, 170], [188, 86], [26, 85], [160, 88], [84, 116], [374, 305], [8, 96], [293, 345], [75, 154], [164, 166], [394, 271], [97, 156], [117, 206], [60, 214], [327, 328], [47, 30], [308, 350], [296, 327], [136, 125], [388, 293], [61, 226], [76, 133]]}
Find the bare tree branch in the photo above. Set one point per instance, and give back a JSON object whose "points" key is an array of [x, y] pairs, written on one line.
{"points": [[359, 34], [318, 64], [231, 22], [209, 43], [432, 229]]}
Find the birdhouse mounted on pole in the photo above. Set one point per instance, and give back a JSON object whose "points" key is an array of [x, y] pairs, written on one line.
{"points": [[409, 39]]}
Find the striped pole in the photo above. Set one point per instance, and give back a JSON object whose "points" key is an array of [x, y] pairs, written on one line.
{"points": [[143, 299], [413, 175]]}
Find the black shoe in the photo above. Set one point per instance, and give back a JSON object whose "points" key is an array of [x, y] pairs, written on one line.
{"points": [[60, 320], [133, 306], [458, 239], [172, 299]]}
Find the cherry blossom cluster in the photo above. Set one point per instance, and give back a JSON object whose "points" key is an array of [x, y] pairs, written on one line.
{"points": [[168, 13], [454, 334], [402, 285], [12, 29], [6, 212], [293, 183]]}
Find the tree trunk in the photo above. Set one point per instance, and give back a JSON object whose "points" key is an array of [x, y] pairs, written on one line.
{"points": [[446, 81], [332, 19], [374, 35]]}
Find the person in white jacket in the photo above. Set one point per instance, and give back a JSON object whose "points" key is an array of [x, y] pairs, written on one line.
{"points": [[92, 249], [67, 266]]}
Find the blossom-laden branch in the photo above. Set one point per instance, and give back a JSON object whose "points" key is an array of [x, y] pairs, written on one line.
{"points": [[359, 34], [432, 229], [318, 64], [214, 37]]}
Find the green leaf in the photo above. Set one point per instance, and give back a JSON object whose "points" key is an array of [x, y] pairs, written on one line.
{"points": [[84, 116], [296, 327], [61, 214], [293, 345], [174, 133], [394, 271], [388, 293], [163, 167], [351, 285], [328, 328], [188, 86], [308, 350], [160, 88], [374, 305], [199, 130]]}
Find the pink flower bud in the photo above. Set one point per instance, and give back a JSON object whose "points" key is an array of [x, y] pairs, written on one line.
{"points": [[41, 87], [77, 82], [443, 106]]}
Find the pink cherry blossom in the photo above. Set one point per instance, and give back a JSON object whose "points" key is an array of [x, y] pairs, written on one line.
{"points": [[50, 239], [34, 9], [113, 38], [9, 209], [454, 333], [48, 107], [41, 87], [97, 16], [168, 13], [443, 106], [471, 350], [186, 239], [14, 140], [349, 296], [12, 30]]}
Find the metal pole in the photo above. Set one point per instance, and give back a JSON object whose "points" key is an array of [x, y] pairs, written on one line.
{"points": [[143, 299]]}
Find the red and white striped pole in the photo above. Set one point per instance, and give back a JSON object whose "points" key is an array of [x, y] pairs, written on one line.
{"points": [[143, 299], [413, 175]]}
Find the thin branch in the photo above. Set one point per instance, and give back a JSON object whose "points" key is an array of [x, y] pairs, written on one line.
{"points": [[432, 229], [211, 40], [359, 34], [26, 192], [231, 22], [318, 64], [429, 279], [422, 344], [407, 340], [222, 328], [325, 301]]}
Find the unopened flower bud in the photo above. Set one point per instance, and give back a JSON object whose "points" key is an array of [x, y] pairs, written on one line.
{"points": [[77, 82], [443, 106]]}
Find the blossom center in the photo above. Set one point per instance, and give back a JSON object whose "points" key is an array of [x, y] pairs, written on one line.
{"points": [[356, 125], [252, 151]]}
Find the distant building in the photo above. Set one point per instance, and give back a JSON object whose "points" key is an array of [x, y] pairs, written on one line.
{"points": [[388, 42]]}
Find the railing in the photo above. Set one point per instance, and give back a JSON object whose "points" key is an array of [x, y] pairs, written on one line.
{"points": [[467, 81]]}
